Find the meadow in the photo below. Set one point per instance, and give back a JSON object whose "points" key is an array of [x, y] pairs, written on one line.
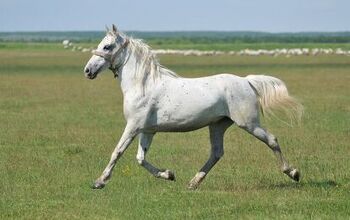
{"points": [[58, 129]]}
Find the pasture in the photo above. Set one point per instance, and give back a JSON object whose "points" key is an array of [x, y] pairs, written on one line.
{"points": [[57, 130]]}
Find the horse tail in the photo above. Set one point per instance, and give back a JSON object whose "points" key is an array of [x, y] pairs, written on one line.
{"points": [[273, 95]]}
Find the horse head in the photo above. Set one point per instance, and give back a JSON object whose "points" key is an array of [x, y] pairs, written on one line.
{"points": [[107, 54]]}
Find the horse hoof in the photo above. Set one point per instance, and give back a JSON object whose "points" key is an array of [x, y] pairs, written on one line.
{"points": [[98, 185], [171, 175], [192, 186], [295, 175], [166, 174], [196, 180]]}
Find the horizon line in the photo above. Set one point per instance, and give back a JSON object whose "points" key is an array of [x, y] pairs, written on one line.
{"points": [[169, 31]]}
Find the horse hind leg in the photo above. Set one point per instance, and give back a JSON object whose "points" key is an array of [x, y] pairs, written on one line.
{"points": [[216, 131], [271, 141], [145, 141]]}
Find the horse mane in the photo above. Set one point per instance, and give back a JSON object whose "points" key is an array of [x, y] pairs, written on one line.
{"points": [[147, 65]]}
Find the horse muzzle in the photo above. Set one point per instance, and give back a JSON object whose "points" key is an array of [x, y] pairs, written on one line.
{"points": [[89, 74]]}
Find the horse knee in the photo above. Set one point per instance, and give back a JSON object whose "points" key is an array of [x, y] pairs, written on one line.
{"points": [[272, 142]]}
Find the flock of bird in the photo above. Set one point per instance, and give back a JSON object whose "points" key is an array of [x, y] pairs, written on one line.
{"points": [[245, 52]]}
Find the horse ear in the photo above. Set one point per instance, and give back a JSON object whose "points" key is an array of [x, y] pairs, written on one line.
{"points": [[114, 29], [107, 29]]}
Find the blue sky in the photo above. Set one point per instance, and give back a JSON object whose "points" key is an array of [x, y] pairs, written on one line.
{"points": [[165, 15]]}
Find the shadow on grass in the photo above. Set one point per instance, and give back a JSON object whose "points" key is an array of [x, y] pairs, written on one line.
{"points": [[326, 184], [322, 184]]}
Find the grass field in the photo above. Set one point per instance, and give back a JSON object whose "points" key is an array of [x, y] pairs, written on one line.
{"points": [[57, 130]]}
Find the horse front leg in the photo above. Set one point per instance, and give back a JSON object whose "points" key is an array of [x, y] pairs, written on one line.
{"points": [[127, 137], [144, 145]]}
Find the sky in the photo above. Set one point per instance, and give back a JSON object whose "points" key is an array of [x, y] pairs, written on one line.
{"points": [[175, 15]]}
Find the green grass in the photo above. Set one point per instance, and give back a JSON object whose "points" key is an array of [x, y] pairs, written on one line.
{"points": [[30, 46], [57, 130]]}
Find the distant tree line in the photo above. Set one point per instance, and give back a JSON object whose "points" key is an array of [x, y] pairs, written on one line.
{"points": [[190, 37]]}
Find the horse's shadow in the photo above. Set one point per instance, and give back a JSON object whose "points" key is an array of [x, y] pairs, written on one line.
{"points": [[325, 184], [303, 185]]}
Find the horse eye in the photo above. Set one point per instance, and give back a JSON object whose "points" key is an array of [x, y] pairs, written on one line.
{"points": [[107, 47]]}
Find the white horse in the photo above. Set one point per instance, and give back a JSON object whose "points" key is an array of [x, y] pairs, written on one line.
{"points": [[158, 100]]}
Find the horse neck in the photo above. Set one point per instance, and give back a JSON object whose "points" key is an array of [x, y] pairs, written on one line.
{"points": [[129, 83]]}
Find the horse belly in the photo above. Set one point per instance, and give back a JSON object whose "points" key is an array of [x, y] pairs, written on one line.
{"points": [[185, 125], [189, 116]]}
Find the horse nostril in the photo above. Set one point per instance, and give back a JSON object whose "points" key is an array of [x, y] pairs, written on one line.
{"points": [[87, 70]]}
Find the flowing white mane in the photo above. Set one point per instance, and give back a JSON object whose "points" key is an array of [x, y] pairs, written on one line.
{"points": [[147, 66]]}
